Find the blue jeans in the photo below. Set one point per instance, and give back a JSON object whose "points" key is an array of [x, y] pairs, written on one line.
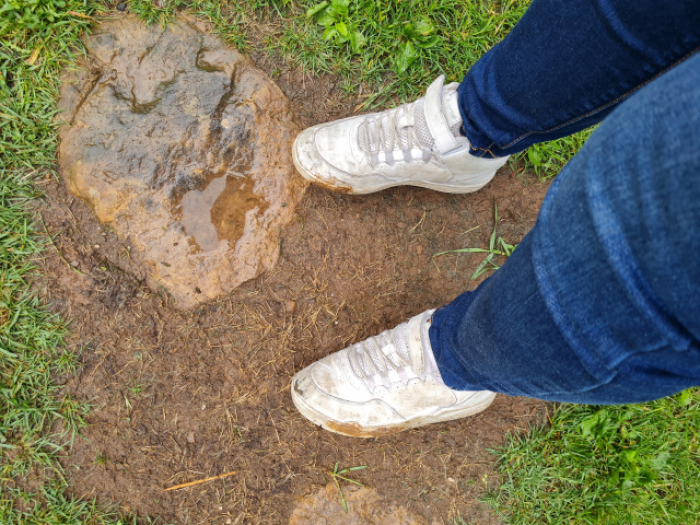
{"points": [[568, 64], [600, 303]]}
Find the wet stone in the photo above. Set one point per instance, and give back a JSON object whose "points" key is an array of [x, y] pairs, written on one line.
{"points": [[364, 507], [183, 147]]}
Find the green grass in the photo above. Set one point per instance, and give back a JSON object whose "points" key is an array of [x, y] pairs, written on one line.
{"points": [[37, 419], [637, 464], [338, 474], [497, 247], [50, 506], [30, 347], [36, 39], [548, 158]]}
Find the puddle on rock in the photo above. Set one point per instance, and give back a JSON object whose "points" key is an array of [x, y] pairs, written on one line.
{"points": [[365, 507], [216, 216], [184, 147]]}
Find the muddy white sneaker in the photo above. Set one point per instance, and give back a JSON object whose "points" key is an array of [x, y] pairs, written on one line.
{"points": [[383, 384], [417, 144]]}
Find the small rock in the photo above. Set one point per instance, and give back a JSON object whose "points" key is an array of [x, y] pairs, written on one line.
{"points": [[364, 506], [75, 264], [204, 407], [357, 216], [228, 521], [220, 507], [190, 437], [290, 307], [121, 7], [419, 250], [96, 246]]}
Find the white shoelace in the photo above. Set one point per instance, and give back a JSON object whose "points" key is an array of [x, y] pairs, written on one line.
{"points": [[394, 130], [381, 354]]}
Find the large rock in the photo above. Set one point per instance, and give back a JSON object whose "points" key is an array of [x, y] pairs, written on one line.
{"points": [[184, 147]]}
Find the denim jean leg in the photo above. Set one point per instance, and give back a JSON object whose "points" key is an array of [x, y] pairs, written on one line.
{"points": [[600, 303], [567, 64]]}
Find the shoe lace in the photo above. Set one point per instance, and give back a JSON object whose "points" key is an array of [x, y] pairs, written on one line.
{"points": [[380, 354], [396, 129]]}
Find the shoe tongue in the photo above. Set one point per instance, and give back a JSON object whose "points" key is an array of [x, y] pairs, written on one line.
{"points": [[415, 344], [399, 338], [450, 108]]}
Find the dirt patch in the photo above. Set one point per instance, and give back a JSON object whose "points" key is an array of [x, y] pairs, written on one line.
{"points": [[183, 396]]}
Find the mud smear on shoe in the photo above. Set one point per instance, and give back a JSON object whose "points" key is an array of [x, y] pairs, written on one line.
{"points": [[355, 430], [333, 184], [299, 390]]}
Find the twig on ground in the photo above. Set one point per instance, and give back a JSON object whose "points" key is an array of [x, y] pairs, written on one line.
{"points": [[205, 480]]}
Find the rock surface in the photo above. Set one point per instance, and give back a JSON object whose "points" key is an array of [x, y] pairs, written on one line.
{"points": [[183, 147], [365, 507]]}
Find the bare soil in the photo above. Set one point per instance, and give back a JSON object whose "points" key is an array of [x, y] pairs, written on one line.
{"points": [[182, 396]]}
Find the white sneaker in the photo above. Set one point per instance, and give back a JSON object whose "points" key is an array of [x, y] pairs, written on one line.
{"points": [[417, 144], [382, 385]]}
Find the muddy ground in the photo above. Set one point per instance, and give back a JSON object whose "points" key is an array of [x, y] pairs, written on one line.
{"points": [[182, 396]]}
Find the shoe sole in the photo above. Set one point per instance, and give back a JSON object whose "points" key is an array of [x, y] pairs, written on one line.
{"points": [[342, 187], [356, 430]]}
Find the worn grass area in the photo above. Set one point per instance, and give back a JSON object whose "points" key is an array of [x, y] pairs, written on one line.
{"points": [[50, 506], [37, 420], [35, 45], [614, 465]]}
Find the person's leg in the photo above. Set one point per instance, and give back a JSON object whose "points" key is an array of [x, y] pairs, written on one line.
{"points": [[567, 64], [600, 303], [564, 67]]}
